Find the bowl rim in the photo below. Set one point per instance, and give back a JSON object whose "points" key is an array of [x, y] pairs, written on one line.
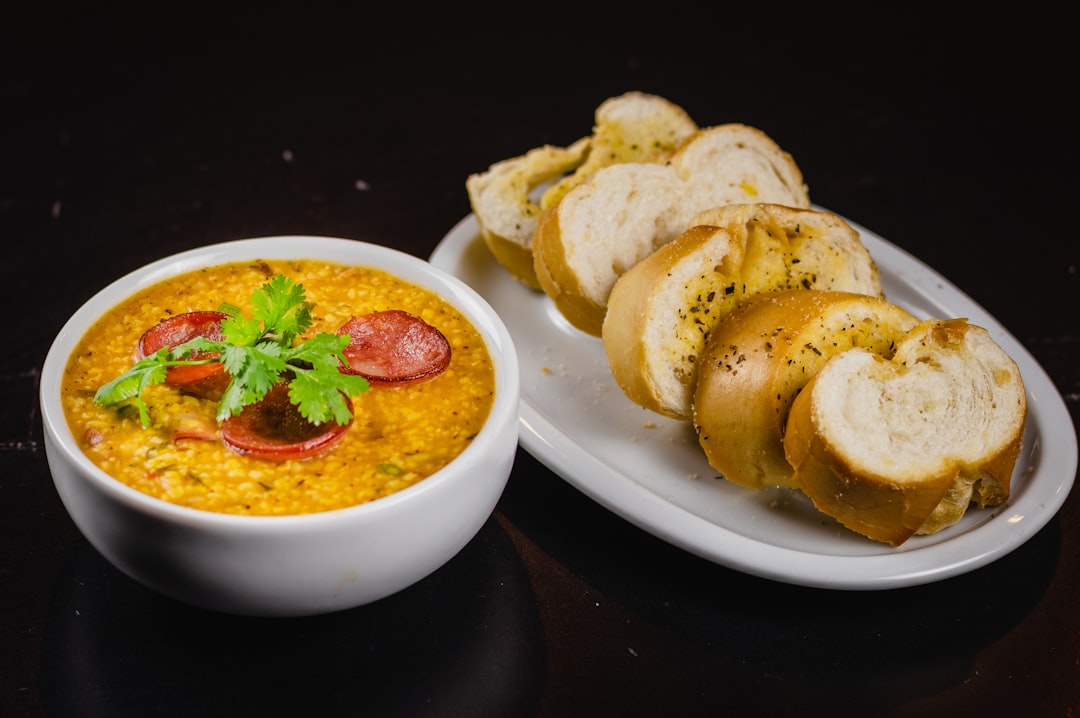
{"points": [[352, 252]]}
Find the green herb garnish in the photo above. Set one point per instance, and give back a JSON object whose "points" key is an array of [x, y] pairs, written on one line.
{"points": [[257, 351]]}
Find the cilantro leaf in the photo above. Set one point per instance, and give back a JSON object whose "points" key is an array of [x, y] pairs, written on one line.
{"points": [[254, 370], [320, 395], [131, 384], [322, 351], [241, 331], [282, 308]]}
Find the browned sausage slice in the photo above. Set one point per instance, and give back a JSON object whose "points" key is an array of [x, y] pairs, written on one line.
{"points": [[273, 428], [207, 380], [394, 347]]}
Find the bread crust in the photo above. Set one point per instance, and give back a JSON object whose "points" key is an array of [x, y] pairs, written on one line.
{"points": [[895, 448], [662, 310], [623, 213], [758, 359]]}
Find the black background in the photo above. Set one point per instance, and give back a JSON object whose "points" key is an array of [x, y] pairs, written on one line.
{"points": [[131, 132]]}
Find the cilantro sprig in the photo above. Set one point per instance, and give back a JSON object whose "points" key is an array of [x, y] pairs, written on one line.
{"points": [[257, 351]]}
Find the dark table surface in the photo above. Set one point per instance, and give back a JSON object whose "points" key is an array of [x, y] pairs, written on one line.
{"points": [[129, 135]]}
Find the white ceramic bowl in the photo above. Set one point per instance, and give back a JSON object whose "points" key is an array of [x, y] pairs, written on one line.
{"points": [[287, 565]]}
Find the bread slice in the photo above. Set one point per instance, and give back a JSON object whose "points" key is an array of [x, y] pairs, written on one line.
{"points": [[661, 310], [759, 357], [623, 213], [894, 448], [508, 197]]}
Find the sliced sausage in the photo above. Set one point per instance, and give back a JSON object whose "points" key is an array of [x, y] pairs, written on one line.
{"points": [[394, 347], [273, 428], [208, 380]]}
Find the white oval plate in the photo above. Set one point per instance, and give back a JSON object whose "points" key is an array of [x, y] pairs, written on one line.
{"points": [[651, 471]]}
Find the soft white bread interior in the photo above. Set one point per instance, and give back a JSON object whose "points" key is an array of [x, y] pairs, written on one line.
{"points": [[623, 213], [508, 197], [760, 356], [661, 310], [893, 448]]}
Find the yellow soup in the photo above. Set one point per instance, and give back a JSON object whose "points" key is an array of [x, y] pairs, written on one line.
{"points": [[399, 435]]}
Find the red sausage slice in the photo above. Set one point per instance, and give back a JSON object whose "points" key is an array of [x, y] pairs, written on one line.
{"points": [[394, 347], [274, 429], [207, 380]]}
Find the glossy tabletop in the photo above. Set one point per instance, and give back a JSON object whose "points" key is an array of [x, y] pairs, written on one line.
{"points": [[128, 136]]}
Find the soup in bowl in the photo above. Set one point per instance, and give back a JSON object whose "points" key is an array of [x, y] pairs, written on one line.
{"points": [[281, 426]]}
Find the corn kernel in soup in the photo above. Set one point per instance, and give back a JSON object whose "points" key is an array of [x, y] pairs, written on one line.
{"points": [[399, 435]]}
